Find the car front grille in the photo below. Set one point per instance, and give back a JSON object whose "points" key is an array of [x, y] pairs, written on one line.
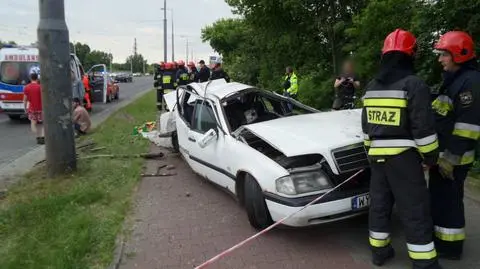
{"points": [[350, 158]]}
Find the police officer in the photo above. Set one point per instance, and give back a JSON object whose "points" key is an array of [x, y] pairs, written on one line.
{"points": [[457, 111], [168, 82], [290, 83], [219, 73], [182, 77], [193, 72], [398, 125]]}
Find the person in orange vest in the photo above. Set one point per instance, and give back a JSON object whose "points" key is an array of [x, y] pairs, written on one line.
{"points": [[88, 88]]}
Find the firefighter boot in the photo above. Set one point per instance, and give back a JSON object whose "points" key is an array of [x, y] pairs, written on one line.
{"points": [[381, 255]]}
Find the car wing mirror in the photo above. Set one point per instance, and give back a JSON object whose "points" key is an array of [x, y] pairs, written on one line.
{"points": [[207, 138]]}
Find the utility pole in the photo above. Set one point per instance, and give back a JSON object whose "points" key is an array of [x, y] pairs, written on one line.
{"points": [[54, 54], [165, 30], [173, 39], [187, 49], [111, 60]]}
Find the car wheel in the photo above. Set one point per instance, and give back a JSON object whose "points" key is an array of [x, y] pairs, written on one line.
{"points": [[15, 117], [176, 147], [257, 211]]}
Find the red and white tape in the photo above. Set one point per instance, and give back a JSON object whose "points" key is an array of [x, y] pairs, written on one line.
{"points": [[240, 244]]}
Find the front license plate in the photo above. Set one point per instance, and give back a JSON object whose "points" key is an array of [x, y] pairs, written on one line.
{"points": [[361, 201]]}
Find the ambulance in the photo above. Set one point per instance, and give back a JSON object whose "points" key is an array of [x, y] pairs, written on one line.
{"points": [[16, 65]]}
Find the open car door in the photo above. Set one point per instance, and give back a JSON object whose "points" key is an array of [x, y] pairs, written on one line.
{"points": [[98, 78]]}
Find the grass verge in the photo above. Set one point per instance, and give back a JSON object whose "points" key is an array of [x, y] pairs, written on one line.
{"points": [[72, 221]]}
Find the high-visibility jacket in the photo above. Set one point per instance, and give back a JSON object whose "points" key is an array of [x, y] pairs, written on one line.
{"points": [[457, 112], [168, 80], [398, 117], [292, 81], [182, 76]]}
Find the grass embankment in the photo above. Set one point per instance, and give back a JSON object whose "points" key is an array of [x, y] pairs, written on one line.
{"points": [[72, 221]]}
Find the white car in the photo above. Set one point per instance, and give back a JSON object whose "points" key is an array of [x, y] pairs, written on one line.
{"points": [[272, 153]]}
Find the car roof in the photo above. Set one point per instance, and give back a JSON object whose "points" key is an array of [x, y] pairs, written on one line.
{"points": [[219, 88]]}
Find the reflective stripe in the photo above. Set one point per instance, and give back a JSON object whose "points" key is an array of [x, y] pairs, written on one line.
{"points": [[450, 234], [426, 140], [386, 94], [423, 255], [379, 236], [428, 148], [442, 105], [385, 151], [467, 158], [366, 137], [421, 248], [379, 243], [445, 99], [393, 143], [385, 102], [367, 143], [467, 130]]}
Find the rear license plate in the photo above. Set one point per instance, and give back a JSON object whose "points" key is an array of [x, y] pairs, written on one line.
{"points": [[361, 201], [7, 105]]}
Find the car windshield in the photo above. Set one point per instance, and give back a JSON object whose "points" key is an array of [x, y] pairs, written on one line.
{"points": [[17, 73], [259, 106]]}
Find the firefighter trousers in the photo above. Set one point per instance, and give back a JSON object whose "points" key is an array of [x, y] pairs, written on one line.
{"points": [[448, 211], [400, 179], [160, 99]]}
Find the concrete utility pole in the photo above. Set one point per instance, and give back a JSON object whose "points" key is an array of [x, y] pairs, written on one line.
{"points": [[165, 30], [173, 39], [54, 50]]}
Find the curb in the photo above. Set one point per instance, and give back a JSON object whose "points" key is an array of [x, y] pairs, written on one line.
{"points": [[470, 191], [9, 172]]}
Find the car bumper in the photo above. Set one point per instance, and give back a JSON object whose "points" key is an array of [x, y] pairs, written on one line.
{"points": [[319, 213]]}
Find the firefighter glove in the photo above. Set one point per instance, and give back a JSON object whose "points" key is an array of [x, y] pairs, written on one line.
{"points": [[445, 168]]}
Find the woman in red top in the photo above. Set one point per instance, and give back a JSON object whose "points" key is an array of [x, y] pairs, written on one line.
{"points": [[32, 100]]}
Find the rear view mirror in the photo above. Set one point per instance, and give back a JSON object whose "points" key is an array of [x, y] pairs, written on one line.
{"points": [[207, 138]]}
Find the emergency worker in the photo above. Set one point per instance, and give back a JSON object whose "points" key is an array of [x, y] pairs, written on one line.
{"points": [[219, 73], [159, 70], [193, 72], [88, 93], [457, 112], [182, 77], [290, 83], [398, 126]]}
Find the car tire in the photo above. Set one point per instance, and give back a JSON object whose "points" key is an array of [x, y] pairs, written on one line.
{"points": [[176, 146], [257, 211], [15, 117]]}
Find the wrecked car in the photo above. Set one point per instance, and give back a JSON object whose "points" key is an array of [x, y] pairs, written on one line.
{"points": [[274, 154]]}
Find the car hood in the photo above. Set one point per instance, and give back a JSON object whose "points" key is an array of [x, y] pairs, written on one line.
{"points": [[311, 133]]}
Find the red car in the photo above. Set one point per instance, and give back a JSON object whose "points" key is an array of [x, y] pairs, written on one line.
{"points": [[104, 88]]}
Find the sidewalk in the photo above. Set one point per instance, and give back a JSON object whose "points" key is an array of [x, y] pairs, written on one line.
{"points": [[180, 221]]}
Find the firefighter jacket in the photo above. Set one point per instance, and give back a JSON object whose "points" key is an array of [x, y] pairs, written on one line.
{"points": [[193, 75], [397, 117], [457, 112], [168, 80], [182, 76], [291, 82], [218, 74]]}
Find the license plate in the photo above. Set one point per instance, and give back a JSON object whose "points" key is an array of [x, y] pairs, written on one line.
{"points": [[361, 201], [12, 105]]}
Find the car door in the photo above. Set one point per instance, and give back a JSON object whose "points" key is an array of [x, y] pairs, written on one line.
{"points": [[211, 158], [183, 121], [99, 79]]}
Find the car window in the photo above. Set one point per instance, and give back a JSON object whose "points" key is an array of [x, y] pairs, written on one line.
{"points": [[203, 118]]}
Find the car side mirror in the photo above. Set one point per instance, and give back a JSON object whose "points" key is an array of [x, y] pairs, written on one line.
{"points": [[207, 138]]}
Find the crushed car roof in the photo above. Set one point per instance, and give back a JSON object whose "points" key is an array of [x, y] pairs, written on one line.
{"points": [[219, 88]]}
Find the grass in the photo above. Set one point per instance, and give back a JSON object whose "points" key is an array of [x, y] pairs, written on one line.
{"points": [[72, 221]]}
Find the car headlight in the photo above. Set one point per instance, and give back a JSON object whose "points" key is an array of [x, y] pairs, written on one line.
{"points": [[303, 183]]}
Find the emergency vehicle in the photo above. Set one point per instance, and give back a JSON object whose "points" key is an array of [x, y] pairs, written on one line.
{"points": [[16, 65]]}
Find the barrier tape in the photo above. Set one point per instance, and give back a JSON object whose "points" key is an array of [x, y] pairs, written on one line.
{"points": [[228, 251]]}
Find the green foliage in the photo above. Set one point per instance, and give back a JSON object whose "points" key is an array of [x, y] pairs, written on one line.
{"points": [[315, 36]]}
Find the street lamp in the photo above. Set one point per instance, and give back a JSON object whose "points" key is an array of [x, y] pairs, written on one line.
{"points": [[186, 49], [173, 33]]}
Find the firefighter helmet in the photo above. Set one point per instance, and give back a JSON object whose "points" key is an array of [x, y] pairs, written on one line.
{"points": [[181, 63], [400, 40], [191, 64], [168, 66], [459, 44]]}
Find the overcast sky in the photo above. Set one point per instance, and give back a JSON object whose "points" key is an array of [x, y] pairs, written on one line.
{"points": [[111, 25]]}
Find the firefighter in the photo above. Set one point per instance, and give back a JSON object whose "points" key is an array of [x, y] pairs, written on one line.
{"points": [[168, 84], [88, 92], [219, 73], [290, 83], [398, 126], [182, 77], [159, 70], [193, 73], [457, 112]]}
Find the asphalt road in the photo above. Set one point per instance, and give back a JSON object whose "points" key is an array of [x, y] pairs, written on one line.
{"points": [[16, 138]]}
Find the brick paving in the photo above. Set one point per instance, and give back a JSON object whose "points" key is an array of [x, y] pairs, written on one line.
{"points": [[180, 221]]}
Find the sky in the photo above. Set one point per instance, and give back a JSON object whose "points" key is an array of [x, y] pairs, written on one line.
{"points": [[112, 25]]}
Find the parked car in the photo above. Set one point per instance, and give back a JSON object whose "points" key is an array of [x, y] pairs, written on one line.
{"points": [[271, 152], [124, 77], [104, 87]]}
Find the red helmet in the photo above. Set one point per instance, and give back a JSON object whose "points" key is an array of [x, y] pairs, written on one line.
{"points": [[191, 64], [400, 40], [162, 65], [181, 63], [168, 66], [459, 44]]}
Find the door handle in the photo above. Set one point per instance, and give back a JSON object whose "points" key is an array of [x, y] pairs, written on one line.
{"points": [[191, 139]]}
